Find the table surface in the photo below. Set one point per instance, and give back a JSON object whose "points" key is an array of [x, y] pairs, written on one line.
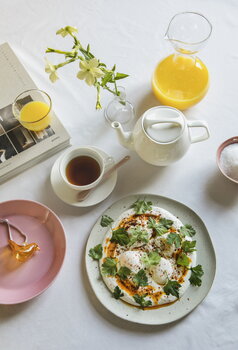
{"points": [[130, 34]]}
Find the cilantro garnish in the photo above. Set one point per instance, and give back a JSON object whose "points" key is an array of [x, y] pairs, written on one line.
{"points": [[196, 274], [189, 246], [172, 287], [124, 272], [120, 236], [165, 222], [140, 299], [138, 234], [96, 252], [153, 258], [183, 260], [160, 227], [140, 279], [141, 206], [106, 221], [187, 230], [109, 267], [174, 238], [117, 293]]}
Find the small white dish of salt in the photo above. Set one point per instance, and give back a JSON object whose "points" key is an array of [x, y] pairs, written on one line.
{"points": [[227, 158]]}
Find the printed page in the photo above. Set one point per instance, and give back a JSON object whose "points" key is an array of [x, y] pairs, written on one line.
{"points": [[18, 145]]}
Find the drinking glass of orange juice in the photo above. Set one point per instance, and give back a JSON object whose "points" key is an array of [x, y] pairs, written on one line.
{"points": [[181, 80], [32, 108]]}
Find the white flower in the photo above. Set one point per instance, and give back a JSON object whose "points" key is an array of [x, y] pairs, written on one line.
{"points": [[67, 30], [50, 68], [89, 71]]}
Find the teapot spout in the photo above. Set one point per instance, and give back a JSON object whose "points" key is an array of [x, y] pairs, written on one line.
{"points": [[125, 138]]}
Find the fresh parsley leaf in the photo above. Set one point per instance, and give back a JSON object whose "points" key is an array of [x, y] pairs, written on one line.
{"points": [[183, 260], [151, 259], [96, 252], [187, 230], [174, 238], [120, 236], [109, 267], [159, 228], [172, 287], [124, 272], [166, 223], [138, 234], [140, 279], [141, 206], [189, 246], [106, 221], [196, 274], [117, 293], [140, 299]]}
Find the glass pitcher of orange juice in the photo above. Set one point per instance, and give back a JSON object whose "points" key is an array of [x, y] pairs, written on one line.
{"points": [[181, 80]]}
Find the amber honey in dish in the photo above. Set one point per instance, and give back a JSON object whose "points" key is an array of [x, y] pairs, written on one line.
{"points": [[82, 170]]}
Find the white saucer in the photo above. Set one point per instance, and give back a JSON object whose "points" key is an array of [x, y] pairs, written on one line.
{"points": [[69, 195]]}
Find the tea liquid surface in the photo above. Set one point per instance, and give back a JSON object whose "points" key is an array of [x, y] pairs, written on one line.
{"points": [[82, 170]]}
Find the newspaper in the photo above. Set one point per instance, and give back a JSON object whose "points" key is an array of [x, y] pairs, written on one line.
{"points": [[21, 148]]}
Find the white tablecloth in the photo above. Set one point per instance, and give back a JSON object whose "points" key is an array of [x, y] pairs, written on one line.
{"points": [[130, 34]]}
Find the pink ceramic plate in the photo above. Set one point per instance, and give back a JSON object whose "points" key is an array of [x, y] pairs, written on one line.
{"points": [[20, 282]]}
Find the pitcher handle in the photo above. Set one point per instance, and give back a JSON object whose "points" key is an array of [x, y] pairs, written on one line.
{"points": [[199, 124]]}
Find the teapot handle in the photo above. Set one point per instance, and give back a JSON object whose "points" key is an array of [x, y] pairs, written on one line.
{"points": [[199, 124]]}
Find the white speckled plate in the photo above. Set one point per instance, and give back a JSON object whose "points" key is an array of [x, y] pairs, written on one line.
{"points": [[192, 297]]}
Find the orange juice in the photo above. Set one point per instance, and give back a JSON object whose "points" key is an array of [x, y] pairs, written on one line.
{"points": [[35, 116], [180, 81]]}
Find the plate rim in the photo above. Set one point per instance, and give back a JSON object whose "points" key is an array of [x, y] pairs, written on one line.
{"points": [[23, 300], [178, 317]]}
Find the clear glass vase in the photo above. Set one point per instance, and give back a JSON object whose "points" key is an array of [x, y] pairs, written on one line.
{"points": [[119, 109]]}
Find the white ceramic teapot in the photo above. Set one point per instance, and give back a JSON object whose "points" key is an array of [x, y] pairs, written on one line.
{"points": [[162, 135]]}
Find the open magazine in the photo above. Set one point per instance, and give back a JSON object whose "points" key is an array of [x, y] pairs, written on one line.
{"points": [[21, 148]]}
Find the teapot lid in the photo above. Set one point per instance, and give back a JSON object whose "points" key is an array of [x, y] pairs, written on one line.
{"points": [[163, 124]]}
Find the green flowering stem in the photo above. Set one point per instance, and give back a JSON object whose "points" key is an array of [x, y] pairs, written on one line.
{"points": [[94, 72], [98, 103], [64, 63], [58, 51]]}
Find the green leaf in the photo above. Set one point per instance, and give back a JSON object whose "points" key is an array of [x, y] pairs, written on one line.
{"points": [[121, 76], [141, 206], [196, 274], [106, 78], [174, 238], [137, 234], [172, 287], [140, 279], [166, 223], [96, 252], [189, 246], [120, 236], [183, 260], [117, 293], [124, 272], [140, 299], [109, 267], [187, 230], [151, 259], [159, 227], [106, 221]]}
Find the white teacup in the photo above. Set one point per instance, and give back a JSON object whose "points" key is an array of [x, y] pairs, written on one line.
{"points": [[77, 161]]}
